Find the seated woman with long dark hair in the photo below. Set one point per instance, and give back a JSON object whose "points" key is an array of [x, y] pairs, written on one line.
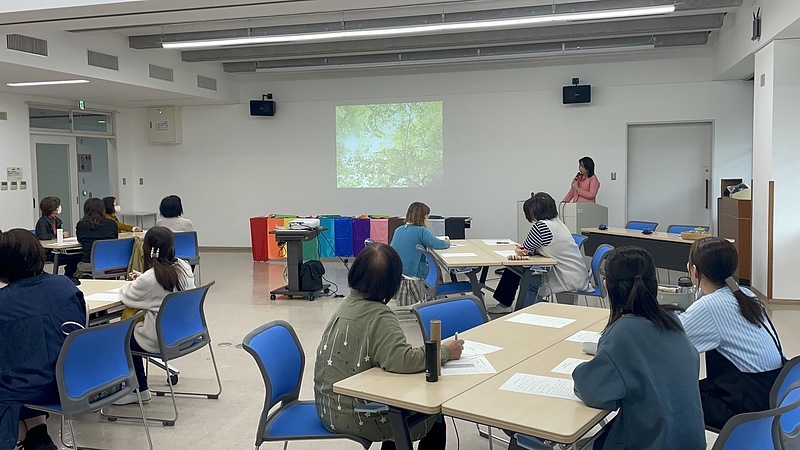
{"points": [[645, 365], [729, 324]]}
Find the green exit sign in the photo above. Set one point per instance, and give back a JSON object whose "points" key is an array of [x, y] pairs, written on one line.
{"points": [[81, 104]]}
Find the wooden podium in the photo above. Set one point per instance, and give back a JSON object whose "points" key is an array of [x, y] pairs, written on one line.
{"points": [[734, 221], [294, 258]]}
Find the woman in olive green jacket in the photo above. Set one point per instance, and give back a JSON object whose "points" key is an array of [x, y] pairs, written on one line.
{"points": [[365, 333]]}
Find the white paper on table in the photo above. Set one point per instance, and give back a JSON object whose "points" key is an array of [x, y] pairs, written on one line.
{"points": [[505, 253], [457, 255], [456, 245], [542, 321], [471, 365], [585, 336], [539, 385], [103, 296], [71, 240], [115, 290], [499, 242], [568, 365], [472, 348]]}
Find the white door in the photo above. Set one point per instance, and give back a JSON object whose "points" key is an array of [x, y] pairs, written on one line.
{"points": [[669, 173], [55, 171]]}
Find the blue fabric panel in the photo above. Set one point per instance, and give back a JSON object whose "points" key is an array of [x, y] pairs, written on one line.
{"points": [[343, 234]]}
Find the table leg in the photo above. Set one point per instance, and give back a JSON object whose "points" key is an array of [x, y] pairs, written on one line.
{"points": [[522, 292], [55, 261], [477, 287], [398, 419]]}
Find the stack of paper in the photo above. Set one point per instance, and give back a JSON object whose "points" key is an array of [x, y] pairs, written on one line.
{"points": [[470, 365], [542, 321], [585, 336], [539, 385]]}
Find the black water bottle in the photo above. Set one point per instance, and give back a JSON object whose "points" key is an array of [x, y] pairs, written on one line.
{"points": [[431, 362]]}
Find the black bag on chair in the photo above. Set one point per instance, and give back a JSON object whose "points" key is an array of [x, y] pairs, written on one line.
{"points": [[311, 273]]}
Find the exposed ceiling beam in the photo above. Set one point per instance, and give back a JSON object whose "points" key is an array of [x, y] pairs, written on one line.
{"points": [[500, 51], [645, 27]]}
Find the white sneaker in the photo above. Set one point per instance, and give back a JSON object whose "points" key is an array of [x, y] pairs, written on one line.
{"points": [[132, 398], [499, 309]]}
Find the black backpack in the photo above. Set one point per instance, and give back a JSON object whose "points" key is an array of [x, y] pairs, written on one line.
{"points": [[311, 273]]}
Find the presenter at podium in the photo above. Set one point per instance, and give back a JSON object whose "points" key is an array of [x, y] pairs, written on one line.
{"points": [[585, 184]]}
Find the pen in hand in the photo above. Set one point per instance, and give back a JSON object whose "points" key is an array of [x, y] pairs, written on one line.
{"points": [[456, 335]]}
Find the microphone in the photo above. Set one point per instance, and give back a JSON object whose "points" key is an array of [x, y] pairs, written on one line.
{"points": [[577, 176]]}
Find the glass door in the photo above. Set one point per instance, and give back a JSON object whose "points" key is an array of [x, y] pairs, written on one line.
{"points": [[55, 163]]}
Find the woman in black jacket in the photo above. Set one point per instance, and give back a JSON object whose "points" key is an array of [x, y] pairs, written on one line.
{"points": [[46, 229]]}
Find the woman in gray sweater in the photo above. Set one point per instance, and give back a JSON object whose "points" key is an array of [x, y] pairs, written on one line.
{"points": [[645, 365], [365, 333]]}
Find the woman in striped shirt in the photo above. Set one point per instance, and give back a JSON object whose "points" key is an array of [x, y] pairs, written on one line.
{"points": [[729, 324]]}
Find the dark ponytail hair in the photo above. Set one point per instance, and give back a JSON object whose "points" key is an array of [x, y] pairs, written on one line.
{"points": [[716, 260], [632, 288], [159, 254]]}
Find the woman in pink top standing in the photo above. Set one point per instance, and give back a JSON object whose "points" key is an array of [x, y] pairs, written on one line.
{"points": [[585, 185]]}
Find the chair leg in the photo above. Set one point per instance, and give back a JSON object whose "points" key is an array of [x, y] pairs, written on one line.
{"points": [[203, 394], [144, 420], [71, 433]]}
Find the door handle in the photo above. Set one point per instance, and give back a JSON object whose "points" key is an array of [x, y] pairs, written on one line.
{"points": [[706, 193]]}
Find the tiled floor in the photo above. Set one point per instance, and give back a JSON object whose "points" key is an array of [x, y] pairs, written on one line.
{"points": [[238, 303]]}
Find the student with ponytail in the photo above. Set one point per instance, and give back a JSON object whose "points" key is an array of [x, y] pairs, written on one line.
{"points": [[644, 365], [743, 352], [163, 274]]}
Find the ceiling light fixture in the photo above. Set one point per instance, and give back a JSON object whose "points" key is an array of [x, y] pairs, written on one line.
{"points": [[429, 28], [45, 83]]}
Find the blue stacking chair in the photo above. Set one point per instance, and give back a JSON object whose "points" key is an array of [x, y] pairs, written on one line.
{"points": [[789, 376], [187, 248], [458, 314], [641, 225], [579, 240], [182, 329], [763, 430], [678, 229], [596, 273], [111, 257], [434, 286], [94, 369], [280, 358]]}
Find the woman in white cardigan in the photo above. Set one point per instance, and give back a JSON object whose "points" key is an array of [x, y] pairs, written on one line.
{"points": [[163, 274]]}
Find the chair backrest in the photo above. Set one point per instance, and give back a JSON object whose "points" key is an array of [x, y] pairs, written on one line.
{"points": [[109, 255], [598, 259], [579, 240], [280, 358], [94, 360], [678, 229], [456, 313], [186, 246], [434, 274], [181, 321], [758, 430], [789, 376], [641, 225]]}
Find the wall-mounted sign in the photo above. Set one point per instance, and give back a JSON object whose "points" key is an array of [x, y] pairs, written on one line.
{"points": [[84, 162]]}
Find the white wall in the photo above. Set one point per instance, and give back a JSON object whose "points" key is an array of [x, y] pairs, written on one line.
{"points": [[776, 138], [762, 163], [506, 134], [16, 207]]}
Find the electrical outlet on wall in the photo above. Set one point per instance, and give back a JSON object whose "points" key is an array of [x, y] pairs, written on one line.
{"points": [[613, 176], [124, 181], [141, 181]]}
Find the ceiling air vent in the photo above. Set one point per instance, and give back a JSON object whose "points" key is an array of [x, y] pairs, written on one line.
{"points": [[98, 59], [206, 83], [26, 44], [161, 73]]}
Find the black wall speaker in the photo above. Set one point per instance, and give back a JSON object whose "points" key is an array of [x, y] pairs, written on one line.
{"points": [[577, 94], [262, 108]]}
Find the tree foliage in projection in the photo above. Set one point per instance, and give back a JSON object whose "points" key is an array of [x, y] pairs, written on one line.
{"points": [[389, 145]]}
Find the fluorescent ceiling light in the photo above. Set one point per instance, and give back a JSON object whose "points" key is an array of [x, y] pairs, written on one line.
{"points": [[423, 29], [46, 83]]}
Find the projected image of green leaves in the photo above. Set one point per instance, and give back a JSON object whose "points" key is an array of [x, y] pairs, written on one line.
{"points": [[389, 145]]}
